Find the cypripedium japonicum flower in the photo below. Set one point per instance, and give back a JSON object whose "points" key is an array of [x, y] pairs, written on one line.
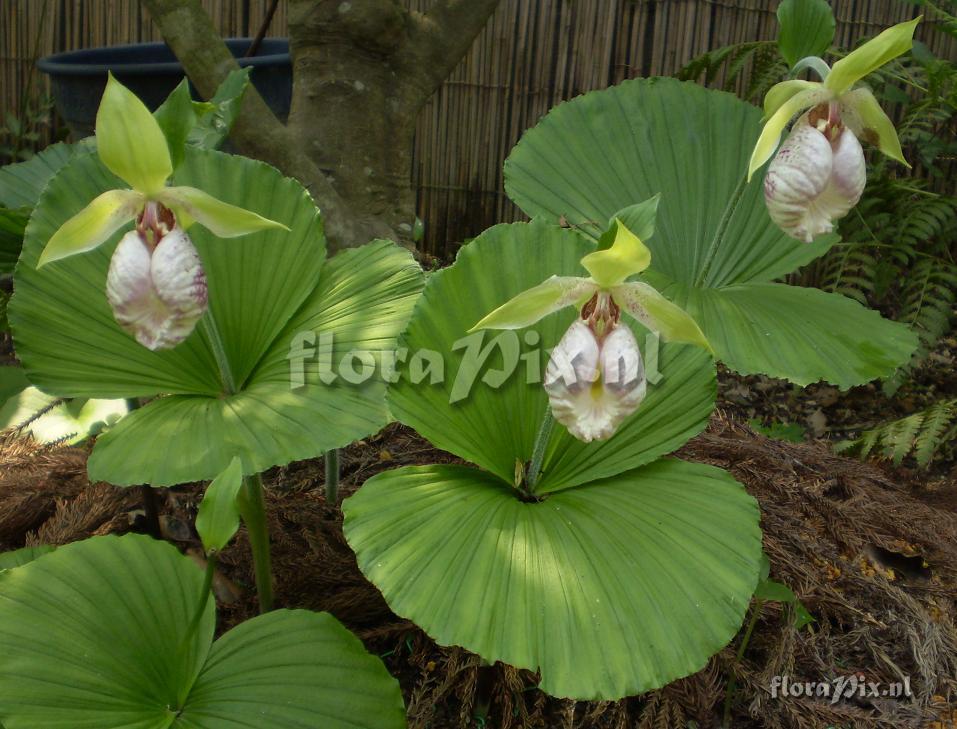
{"points": [[595, 376], [818, 174], [156, 285]]}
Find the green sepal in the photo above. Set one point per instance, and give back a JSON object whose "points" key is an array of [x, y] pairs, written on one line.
{"points": [[538, 302], [93, 225], [890, 44], [130, 141], [648, 306], [224, 220], [866, 118]]}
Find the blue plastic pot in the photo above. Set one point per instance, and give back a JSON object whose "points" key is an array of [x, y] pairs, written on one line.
{"points": [[151, 71]]}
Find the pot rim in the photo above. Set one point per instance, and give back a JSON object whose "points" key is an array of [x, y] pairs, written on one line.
{"points": [[76, 63]]}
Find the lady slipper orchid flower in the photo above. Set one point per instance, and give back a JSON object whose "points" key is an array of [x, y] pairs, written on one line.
{"points": [[595, 377], [818, 174], [156, 285]]}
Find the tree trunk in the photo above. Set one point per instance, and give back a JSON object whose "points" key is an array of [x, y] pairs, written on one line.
{"points": [[362, 70]]}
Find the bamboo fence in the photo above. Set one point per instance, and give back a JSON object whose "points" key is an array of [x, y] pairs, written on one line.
{"points": [[531, 55]]}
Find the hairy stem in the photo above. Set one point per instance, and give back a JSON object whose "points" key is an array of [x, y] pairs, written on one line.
{"points": [[332, 476], [538, 452], [204, 596], [219, 351], [732, 680], [252, 508]]}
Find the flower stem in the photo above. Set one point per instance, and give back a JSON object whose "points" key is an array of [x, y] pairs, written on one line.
{"points": [[538, 452], [216, 342], [814, 63], [332, 477], [204, 595], [732, 681], [252, 508]]}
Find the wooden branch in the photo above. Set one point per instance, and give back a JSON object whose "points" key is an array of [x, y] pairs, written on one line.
{"points": [[188, 30], [440, 37]]}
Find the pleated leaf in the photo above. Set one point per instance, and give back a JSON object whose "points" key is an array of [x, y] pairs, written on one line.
{"points": [[489, 402], [22, 183], [362, 301], [758, 321], [20, 557], [607, 590], [292, 669], [96, 635], [263, 289], [594, 156]]}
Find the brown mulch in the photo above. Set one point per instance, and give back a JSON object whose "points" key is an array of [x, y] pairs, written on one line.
{"points": [[872, 554]]}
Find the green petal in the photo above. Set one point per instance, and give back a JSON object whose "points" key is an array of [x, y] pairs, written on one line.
{"points": [[93, 225], [771, 134], [129, 140], [627, 256], [780, 93], [868, 121], [222, 219], [653, 310], [538, 302], [872, 55]]}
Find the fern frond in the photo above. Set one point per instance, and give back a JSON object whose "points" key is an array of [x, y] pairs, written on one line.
{"points": [[920, 434]]}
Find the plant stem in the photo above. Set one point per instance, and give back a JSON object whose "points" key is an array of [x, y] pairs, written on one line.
{"points": [[814, 63], [332, 477], [732, 680], [538, 452], [216, 342], [150, 503], [252, 508], [722, 228], [204, 595]]}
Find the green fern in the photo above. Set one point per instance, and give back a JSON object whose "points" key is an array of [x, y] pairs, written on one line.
{"points": [[921, 435], [760, 58]]}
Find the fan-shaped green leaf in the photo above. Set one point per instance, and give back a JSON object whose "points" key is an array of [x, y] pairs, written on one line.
{"points": [[489, 404], [608, 589], [755, 322], [363, 299], [292, 669], [593, 156], [20, 557], [22, 183], [95, 635], [263, 288]]}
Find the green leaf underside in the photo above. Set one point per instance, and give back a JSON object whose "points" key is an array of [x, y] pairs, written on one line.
{"points": [[592, 157], [847, 344], [263, 288], [95, 635], [806, 28], [495, 426], [608, 590]]}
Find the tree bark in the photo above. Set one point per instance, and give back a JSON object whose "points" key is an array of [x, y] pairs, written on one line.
{"points": [[362, 70]]}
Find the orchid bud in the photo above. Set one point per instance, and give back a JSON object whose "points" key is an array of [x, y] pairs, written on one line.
{"points": [[595, 377], [156, 285], [816, 177]]}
